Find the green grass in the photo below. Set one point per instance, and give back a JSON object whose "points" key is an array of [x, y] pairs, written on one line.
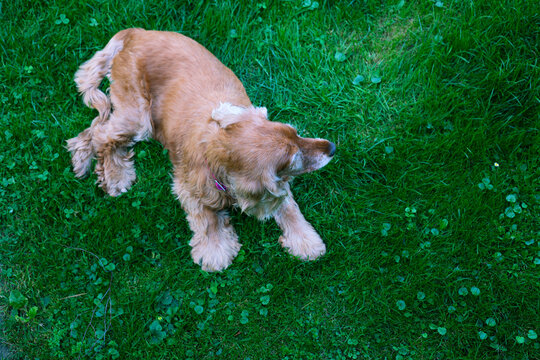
{"points": [[430, 210]]}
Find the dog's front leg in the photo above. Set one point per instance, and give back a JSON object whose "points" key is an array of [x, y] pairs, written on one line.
{"points": [[299, 237], [214, 243]]}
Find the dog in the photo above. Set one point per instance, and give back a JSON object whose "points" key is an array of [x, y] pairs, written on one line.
{"points": [[225, 152]]}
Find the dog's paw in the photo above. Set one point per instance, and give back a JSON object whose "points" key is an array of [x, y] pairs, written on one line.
{"points": [[82, 153], [117, 188], [304, 246], [115, 182], [215, 256]]}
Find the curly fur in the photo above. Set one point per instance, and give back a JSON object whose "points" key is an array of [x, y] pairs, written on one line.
{"points": [[167, 86]]}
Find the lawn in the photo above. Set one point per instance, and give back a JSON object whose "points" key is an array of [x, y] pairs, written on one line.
{"points": [[429, 210]]}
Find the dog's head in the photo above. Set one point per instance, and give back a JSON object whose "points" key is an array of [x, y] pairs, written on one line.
{"points": [[262, 155]]}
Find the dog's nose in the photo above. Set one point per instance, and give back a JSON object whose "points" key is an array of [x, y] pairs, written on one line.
{"points": [[331, 149]]}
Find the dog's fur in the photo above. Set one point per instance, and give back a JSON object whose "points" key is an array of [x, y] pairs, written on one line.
{"points": [[167, 86]]}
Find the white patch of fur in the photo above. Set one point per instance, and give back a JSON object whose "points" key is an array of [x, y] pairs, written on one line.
{"points": [[297, 164], [262, 112], [226, 114], [320, 161]]}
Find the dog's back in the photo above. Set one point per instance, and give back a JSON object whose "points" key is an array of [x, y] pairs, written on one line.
{"points": [[171, 82], [183, 80]]}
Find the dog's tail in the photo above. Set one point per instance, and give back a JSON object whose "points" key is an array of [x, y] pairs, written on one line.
{"points": [[91, 73], [88, 78]]}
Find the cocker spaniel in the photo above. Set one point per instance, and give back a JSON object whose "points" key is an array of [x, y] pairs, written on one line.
{"points": [[225, 151]]}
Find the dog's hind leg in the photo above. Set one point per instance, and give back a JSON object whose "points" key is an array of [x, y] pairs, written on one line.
{"points": [[82, 149], [115, 168], [129, 123], [81, 152]]}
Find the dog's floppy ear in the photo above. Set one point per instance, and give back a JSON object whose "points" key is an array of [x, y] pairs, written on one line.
{"points": [[261, 111], [226, 114]]}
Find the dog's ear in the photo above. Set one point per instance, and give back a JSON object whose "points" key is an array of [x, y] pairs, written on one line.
{"points": [[226, 114], [262, 112]]}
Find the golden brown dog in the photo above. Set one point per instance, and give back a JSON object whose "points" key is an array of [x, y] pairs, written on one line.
{"points": [[225, 152]]}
